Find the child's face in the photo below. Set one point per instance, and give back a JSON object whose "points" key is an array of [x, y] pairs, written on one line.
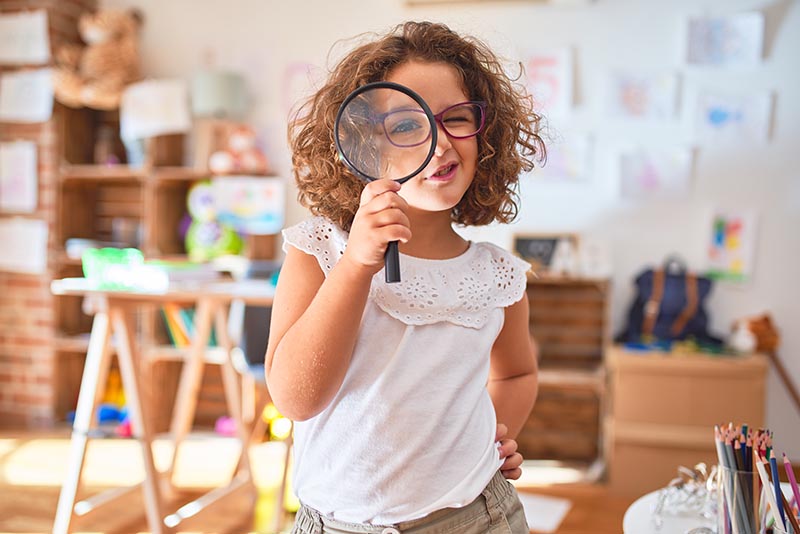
{"points": [[440, 186]]}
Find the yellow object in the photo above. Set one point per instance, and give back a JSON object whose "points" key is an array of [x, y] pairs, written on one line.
{"points": [[114, 393], [270, 412], [280, 428]]}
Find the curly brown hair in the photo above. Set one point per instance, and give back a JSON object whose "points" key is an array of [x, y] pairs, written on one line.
{"points": [[508, 145]]}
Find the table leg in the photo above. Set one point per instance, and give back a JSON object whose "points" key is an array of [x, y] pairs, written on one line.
{"points": [[190, 381], [98, 360], [231, 384], [243, 480], [140, 423]]}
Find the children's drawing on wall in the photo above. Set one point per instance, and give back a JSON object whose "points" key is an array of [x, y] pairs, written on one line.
{"points": [[725, 41], [252, 205], [647, 173], [732, 117], [642, 96], [18, 177], [568, 159], [25, 39], [731, 249], [26, 96], [24, 245], [550, 82]]}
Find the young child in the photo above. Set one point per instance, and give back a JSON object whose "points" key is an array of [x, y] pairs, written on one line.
{"points": [[401, 391]]}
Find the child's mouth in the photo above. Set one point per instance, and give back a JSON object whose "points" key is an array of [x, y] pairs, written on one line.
{"points": [[444, 172]]}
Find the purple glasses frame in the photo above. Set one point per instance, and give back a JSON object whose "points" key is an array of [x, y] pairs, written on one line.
{"points": [[438, 118]]}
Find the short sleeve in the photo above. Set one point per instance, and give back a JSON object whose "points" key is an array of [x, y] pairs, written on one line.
{"points": [[318, 237]]}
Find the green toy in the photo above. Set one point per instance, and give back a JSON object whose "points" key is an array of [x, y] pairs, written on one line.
{"points": [[207, 238]]}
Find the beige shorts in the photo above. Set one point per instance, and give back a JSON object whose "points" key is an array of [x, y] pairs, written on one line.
{"points": [[497, 510]]}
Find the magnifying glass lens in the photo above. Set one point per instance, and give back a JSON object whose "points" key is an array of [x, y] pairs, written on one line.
{"points": [[384, 133]]}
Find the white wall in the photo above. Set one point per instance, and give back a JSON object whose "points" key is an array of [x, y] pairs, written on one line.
{"points": [[261, 38]]}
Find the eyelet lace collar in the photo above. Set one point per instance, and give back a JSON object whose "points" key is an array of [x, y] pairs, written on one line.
{"points": [[462, 290]]}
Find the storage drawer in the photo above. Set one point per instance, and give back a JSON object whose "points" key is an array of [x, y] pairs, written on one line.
{"points": [[564, 425], [693, 390]]}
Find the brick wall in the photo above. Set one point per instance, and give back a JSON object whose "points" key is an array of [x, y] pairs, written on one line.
{"points": [[27, 324]]}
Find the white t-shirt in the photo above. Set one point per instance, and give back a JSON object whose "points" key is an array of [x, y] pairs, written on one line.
{"points": [[411, 430]]}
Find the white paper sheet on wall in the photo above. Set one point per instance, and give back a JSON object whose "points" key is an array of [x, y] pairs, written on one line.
{"points": [[24, 245], [18, 177], [549, 80], [26, 96], [733, 117], [648, 173], [726, 41], [642, 96], [24, 38]]}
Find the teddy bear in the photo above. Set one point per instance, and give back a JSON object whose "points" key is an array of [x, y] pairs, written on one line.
{"points": [[240, 156], [95, 75]]}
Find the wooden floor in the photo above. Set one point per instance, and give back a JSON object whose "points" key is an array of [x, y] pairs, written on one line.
{"points": [[31, 466]]}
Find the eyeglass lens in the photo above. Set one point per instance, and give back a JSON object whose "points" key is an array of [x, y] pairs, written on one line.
{"points": [[410, 127]]}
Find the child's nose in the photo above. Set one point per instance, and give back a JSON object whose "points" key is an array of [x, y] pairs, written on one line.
{"points": [[443, 143]]}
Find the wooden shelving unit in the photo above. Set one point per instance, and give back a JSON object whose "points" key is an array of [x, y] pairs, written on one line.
{"points": [[141, 207], [569, 323], [149, 202]]}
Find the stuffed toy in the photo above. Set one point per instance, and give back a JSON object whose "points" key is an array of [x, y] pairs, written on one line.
{"points": [[94, 75], [241, 155]]}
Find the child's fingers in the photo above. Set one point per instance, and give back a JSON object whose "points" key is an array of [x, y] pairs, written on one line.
{"points": [[512, 466], [512, 462], [385, 201], [501, 432], [377, 188], [507, 448], [512, 474]]}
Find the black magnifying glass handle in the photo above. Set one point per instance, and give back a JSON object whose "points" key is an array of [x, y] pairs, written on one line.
{"points": [[391, 262]]}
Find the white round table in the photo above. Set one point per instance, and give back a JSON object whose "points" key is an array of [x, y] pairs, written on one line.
{"points": [[639, 519]]}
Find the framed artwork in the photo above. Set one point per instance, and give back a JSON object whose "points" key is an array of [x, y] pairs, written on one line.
{"points": [[555, 253]]}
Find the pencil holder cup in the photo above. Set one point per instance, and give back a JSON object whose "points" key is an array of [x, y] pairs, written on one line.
{"points": [[735, 502], [768, 524]]}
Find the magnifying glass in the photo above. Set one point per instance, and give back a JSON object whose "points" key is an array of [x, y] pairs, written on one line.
{"points": [[385, 130]]}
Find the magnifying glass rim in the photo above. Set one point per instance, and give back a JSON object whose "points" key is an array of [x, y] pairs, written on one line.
{"points": [[403, 89]]}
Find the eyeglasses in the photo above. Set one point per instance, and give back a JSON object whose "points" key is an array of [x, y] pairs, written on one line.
{"points": [[406, 128]]}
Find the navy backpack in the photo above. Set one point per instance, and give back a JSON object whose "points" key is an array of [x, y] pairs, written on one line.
{"points": [[669, 306]]}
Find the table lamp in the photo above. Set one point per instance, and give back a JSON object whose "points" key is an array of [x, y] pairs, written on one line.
{"points": [[218, 94], [219, 101]]}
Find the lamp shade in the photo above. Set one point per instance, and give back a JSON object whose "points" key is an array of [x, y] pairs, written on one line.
{"points": [[218, 94]]}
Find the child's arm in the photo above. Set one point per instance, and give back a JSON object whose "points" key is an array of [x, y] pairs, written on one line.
{"points": [[315, 320], [513, 373]]}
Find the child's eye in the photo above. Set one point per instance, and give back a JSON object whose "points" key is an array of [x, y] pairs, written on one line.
{"points": [[404, 126], [459, 116]]}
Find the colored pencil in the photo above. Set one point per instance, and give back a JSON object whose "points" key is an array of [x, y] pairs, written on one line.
{"points": [[771, 497], [776, 481], [792, 481], [790, 513], [734, 494]]}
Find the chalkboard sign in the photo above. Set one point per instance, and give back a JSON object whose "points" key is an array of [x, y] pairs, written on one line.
{"points": [[538, 249]]}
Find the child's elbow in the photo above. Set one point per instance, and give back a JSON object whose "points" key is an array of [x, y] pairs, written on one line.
{"points": [[292, 403], [294, 410]]}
